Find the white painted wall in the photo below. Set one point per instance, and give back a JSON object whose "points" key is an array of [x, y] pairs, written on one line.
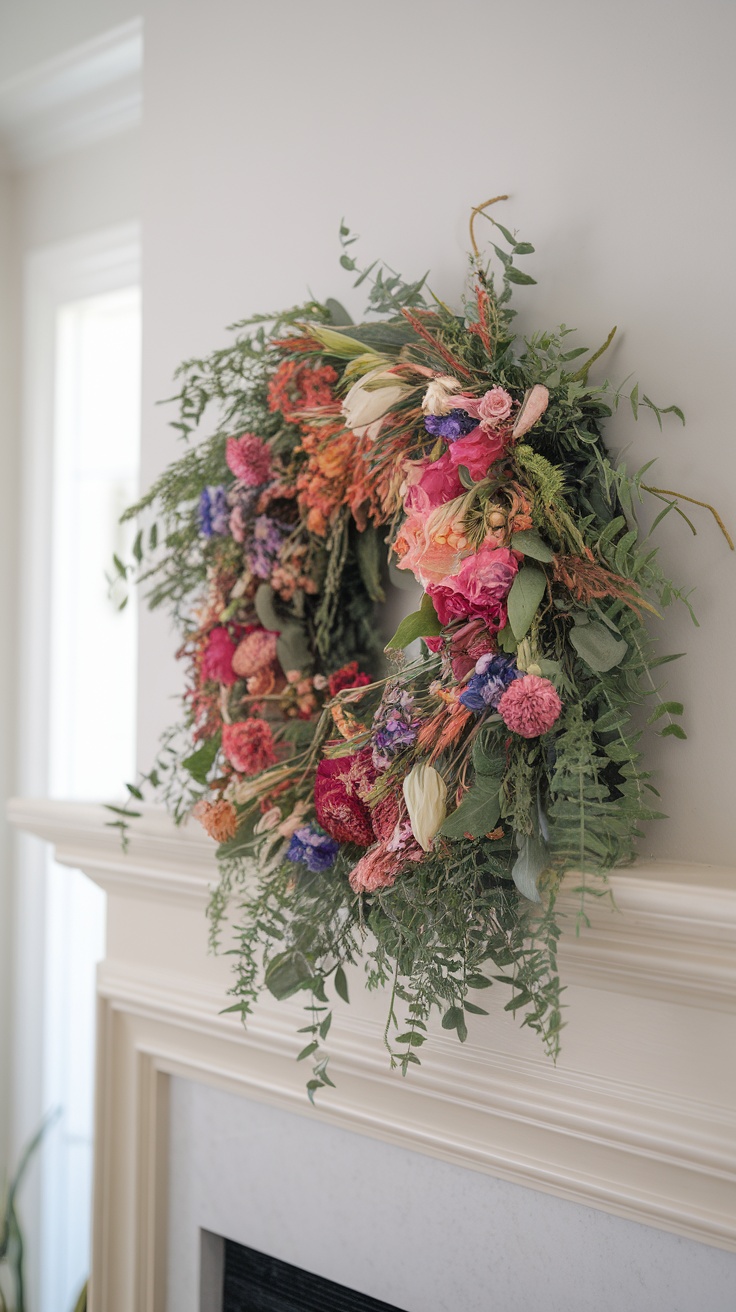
{"points": [[610, 128], [32, 31], [8, 600]]}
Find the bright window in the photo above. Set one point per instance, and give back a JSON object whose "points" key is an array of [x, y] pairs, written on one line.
{"points": [[91, 729]]}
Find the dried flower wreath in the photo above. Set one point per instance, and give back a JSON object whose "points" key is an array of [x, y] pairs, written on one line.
{"points": [[418, 807]]}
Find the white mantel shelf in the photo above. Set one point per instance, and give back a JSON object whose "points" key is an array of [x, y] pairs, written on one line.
{"points": [[637, 1118]]}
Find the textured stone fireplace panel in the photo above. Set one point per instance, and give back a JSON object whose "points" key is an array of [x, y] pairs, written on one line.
{"points": [[420, 1233]]}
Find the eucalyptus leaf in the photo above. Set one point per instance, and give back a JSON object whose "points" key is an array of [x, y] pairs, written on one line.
{"points": [[530, 543], [597, 646], [287, 973], [479, 811], [529, 864], [293, 648], [370, 556], [527, 591], [200, 762], [337, 312], [422, 623], [264, 603]]}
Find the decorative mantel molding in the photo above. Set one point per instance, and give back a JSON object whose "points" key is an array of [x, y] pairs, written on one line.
{"points": [[636, 1119]]}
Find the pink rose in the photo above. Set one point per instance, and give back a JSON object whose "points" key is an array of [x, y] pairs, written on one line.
{"points": [[491, 409], [476, 451], [478, 588]]}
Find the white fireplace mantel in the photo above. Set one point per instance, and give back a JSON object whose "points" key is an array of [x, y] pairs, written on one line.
{"points": [[637, 1118]]}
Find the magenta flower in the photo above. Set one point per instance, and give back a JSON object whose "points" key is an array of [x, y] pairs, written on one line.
{"points": [[530, 706], [478, 589], [477, 451]]}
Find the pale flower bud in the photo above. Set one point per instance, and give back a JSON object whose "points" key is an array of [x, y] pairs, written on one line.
{"points": [[438, 398], [533, 407], [425, 794], [364, 406]]}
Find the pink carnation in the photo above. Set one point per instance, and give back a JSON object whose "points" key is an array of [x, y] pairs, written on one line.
{"points": [[530, 706], [477, 451], [478, 589], [249, 459], [377, 869], [248, 746], [217, 657], [256, 651]]}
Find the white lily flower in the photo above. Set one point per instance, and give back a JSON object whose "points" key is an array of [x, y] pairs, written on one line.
{"points": [[425, 794], [364, 405]]}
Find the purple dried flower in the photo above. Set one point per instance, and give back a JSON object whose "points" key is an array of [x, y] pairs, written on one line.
{"points": [[214, 512], [313, 848], [486, 687], [457, 424]]}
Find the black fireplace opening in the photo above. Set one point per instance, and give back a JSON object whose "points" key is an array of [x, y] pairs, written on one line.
{"points": [[254, 1282]]}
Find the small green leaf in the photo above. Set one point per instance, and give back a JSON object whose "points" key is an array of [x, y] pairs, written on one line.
{"points": [[523, 248], [476, 1011], [324, 1028], [307, 1052], [529, 542], [479, 811], [265, 608], [452, 1018], [293, 649], [488, 757], [597, 646], [337, 312], [287, 973], [666, 708], [515, 275], [478, 982], [506, 640], [634, 399], [422, 623], [370, 557], [527, 591], [673, 731], [466, 478], [120, 567], [341, 984], [138, 546], [200, 762]]}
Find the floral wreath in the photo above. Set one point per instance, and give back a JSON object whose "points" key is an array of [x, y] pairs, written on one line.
{"points": [[414, 807]]}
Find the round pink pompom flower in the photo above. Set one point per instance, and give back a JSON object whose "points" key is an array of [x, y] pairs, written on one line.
{"points": [[249, 459], [255, 652], [530, 706]]}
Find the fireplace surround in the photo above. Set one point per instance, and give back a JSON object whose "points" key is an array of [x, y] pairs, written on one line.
{"points": [[636, 1119]]}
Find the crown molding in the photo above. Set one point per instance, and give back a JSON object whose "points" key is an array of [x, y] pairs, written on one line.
{"points": [[92, 92]]}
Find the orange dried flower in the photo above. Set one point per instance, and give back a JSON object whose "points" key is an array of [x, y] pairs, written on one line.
{"points": [[218, 818]]}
